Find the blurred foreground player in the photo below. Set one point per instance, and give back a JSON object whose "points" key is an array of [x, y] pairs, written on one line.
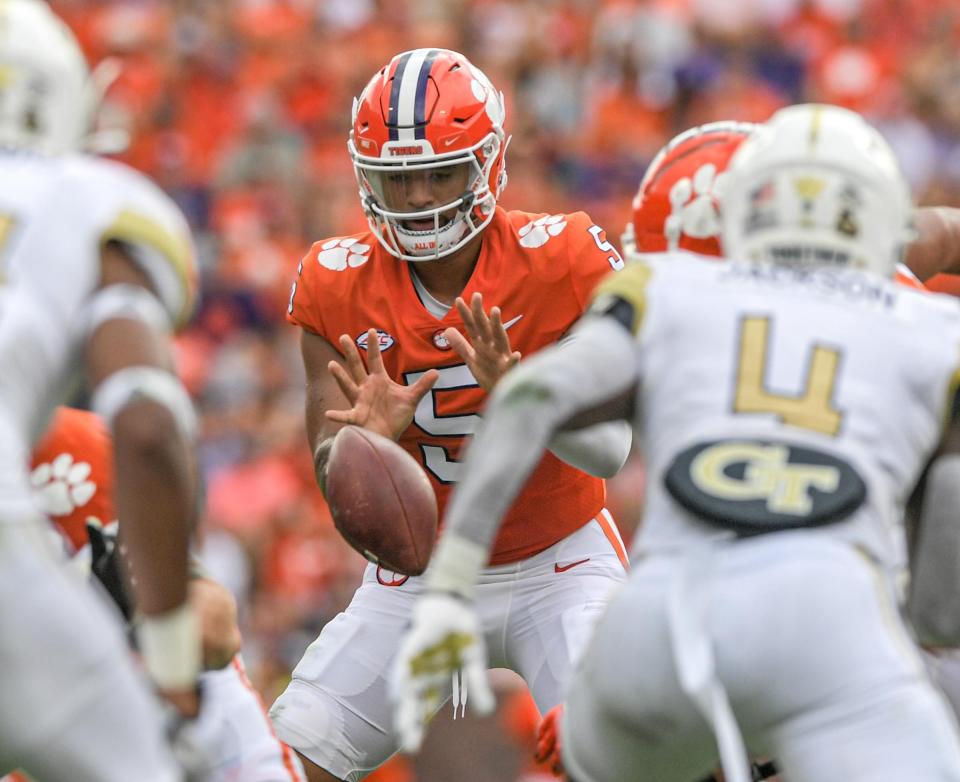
{"points": [[97, 266], [784, 426], [72, 476]]}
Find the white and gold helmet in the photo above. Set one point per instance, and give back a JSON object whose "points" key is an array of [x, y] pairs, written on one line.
{"points": [[816, 186], [47, 95]]}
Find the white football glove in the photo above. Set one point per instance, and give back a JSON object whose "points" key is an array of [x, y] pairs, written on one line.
{"points": [[443, 639]]}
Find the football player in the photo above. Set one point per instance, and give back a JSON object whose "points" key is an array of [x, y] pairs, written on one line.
{"points": [[97, 267], [413, 294], [677, 206], [72, 476], [790, 399]]}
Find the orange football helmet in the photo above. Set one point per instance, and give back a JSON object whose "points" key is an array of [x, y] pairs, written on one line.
{"points": [[676, 207], [428, 148], [72, 473]]}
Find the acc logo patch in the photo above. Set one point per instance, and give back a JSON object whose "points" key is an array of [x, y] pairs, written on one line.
{"points": [[753, 486], [384, 340]]}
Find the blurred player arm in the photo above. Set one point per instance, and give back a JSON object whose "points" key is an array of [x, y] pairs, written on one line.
{"points": [[933, 598], [215, 606], [600, 450], [136, 391], [937, 246], [581, 382], [342, 389]]}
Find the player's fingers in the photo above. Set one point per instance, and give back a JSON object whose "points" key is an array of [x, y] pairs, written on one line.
{"points": [[341, 416], [481, 318], [466, 315], [408, 722], [424, 384], [351, 355], [374, 358], [460, 344], [344, 381], [501, 340], [482, 700]]}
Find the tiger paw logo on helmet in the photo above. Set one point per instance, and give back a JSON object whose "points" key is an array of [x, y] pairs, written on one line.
{"points": [[538, 233], [694, 205], [61, 486], [340, 254]]}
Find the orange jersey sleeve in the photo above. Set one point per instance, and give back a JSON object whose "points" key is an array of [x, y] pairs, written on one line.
{"points": [[540, 270], [73, 472]]}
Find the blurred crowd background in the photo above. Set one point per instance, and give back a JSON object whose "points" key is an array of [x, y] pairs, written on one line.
{"points": [[240, 109]]}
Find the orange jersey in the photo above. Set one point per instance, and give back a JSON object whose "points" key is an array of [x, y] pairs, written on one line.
{"points": [[540, 270], [73, 472]]}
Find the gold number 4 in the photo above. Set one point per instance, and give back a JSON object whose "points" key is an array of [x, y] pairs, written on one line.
{"points": [[812, 409]]}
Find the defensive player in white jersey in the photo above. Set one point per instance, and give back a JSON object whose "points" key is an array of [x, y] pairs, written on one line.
{"points": [[96, 267], [789, 402]]}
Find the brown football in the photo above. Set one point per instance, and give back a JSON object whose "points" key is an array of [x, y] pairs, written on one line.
{"points": [[381, 500]]}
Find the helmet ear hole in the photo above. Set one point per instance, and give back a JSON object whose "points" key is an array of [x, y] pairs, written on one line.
{"points": [[468, 199]]}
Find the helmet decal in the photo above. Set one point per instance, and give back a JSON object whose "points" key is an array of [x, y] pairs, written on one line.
{"points": [[677, 206]]}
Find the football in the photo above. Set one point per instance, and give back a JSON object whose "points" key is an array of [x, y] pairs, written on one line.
{"points": [[381, 500]]}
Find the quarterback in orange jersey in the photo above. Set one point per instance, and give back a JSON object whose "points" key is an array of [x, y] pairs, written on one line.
{"points": [[414, 295]]}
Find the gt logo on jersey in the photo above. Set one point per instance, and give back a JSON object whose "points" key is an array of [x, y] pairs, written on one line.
{"points": [[753, 486], [384, 340]]}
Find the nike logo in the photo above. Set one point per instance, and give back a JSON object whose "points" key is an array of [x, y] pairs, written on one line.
{"points": [[509, 323], [558, 568]]}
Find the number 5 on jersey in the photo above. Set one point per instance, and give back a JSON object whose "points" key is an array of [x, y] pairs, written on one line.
{"points": [[436, 458]]}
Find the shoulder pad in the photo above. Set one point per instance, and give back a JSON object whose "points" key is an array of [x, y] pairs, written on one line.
{"points": [[133, 211]]}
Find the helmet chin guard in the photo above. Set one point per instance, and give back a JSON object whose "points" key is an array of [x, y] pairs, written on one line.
{"points": [[429, 114]]}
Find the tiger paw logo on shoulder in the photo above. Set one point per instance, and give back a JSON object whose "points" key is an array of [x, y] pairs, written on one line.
{"points": [[340, 254]]}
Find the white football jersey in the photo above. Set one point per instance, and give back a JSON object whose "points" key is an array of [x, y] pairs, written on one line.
{"points": [[55, 215], [773, 398]]}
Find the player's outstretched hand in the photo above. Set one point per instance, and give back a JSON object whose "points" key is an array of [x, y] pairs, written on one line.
{"points": [[377, 402], [487, 351], [443, 639], [548, 741]]}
